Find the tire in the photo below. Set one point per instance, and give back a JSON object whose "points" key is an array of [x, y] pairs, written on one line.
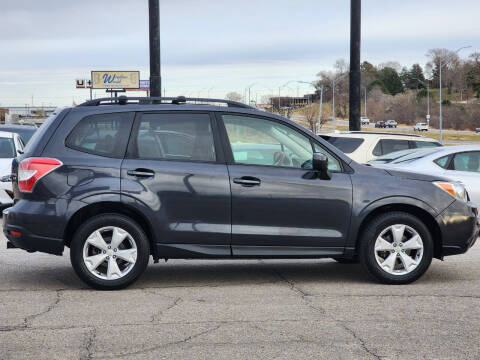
{"points": [[385, 225], [134, 247]]}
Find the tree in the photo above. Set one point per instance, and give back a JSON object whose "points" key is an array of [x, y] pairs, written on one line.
{"points": [[234, 96], [391, 81]]}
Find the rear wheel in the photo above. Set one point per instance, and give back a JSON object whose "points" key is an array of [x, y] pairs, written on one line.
{"points": [[109, 251], [396, 248]]}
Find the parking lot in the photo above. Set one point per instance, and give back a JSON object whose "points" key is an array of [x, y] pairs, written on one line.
{"points": [[278, 309]]}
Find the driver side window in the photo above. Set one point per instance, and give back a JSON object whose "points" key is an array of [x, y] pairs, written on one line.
{"points": [[256, 141]]}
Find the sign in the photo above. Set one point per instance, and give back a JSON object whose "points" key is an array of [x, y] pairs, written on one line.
{"points": [[115, 79], [144, 86], [428, 117], [80, 83]]}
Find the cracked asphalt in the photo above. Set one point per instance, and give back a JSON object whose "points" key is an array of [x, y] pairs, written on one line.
{"points": [[271, 309]]}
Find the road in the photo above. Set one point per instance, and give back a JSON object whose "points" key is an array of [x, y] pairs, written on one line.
{"points": [[282, 309]]}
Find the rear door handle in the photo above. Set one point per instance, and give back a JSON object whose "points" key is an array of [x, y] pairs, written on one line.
{"points": [[141, 173], [247, 181]]}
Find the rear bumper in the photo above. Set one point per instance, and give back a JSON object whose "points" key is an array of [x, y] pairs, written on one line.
{"points": [[459, 225], [20, 237]]}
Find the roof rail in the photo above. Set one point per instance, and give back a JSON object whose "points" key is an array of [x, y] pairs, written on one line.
{"points": [[124, 100], [380, 133]]}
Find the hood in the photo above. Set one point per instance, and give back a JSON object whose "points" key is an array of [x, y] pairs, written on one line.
{"points": [[414, 175]]}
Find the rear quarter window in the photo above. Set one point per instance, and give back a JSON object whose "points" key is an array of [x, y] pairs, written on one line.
{"points": [[346, 144], [103, 134]]}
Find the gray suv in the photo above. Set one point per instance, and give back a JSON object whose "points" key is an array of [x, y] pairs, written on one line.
{"points": [[168, 178]]}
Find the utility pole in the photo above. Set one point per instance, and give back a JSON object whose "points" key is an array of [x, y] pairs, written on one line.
{"points": [[334, 82], [365, 102], [355, 76], [154, 33]]}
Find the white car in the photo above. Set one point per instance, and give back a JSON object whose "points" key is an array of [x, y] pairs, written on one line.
{"points": [[11, 145], [364, 121], [460, 163], [391, 124], [363, 146], [420, 127]]}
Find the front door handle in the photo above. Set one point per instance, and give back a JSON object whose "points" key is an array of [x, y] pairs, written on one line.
{"points": [[141, 173], [247, 181]]}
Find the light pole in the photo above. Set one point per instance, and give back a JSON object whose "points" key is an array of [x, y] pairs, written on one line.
{"points": [[279, 89], [440, 118], [366, 102], [249, 87], [427, 85], [319, 117], [335, 81]]}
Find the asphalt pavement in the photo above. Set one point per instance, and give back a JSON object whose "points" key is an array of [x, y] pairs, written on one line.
{"points": [[272, 309]]}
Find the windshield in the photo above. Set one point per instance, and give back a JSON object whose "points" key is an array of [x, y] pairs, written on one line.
{"points": [[384, 159], [7, 149]]}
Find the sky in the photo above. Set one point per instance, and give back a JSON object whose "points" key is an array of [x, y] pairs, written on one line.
{"points": [[209, 48]]}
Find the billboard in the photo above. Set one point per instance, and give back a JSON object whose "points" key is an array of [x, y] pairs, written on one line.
{"points": [[115, 79]]}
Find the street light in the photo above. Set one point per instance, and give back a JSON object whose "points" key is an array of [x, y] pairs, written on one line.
{"points": [[319, 118], [248, 88], [279, 89], [335, 81], [440, 118]]}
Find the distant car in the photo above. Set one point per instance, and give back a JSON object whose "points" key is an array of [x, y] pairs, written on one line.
{"points": [[380, 124], [477, 130], [420, 127], [391, 123], [11, 146], [460, 163], [365, 121], [363, 146], [25, 131]]}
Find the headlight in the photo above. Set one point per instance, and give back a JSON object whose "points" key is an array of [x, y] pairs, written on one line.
{"points": [[457, 190]]}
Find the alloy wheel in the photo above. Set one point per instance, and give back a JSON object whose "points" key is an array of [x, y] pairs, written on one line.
{"points": [[110, 253], [398, 249]]}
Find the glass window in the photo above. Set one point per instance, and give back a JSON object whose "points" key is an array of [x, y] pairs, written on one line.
{"points": [[175, 137], [346, 144], [424, 144], [442, 162], [7, 149], [467, 161], [104, 135], [388, 146], [258, 141]]}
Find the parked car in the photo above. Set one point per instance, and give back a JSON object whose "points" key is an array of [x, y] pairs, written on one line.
{"points": [[11, 145], [388, 158], [391, 124], [420, 127], [380, 124], [460, 163], [477, 130], [97, 179], [364, 121], [25, 131], [363, 146]]}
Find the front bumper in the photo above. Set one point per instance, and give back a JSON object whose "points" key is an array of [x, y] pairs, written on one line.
{"points": [[19, 237], [459, 226]]}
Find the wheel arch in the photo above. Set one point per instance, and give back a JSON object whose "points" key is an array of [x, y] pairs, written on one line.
{"points": [[106, 207], [414, 209]]}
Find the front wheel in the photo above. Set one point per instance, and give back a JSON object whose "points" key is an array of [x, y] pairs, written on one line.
{"points": [[109, 251], [396, 248]]}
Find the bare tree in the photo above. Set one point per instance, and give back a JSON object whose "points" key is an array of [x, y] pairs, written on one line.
{"points": [[234, 96]]}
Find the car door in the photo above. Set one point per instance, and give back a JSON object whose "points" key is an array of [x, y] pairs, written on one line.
{"points": [[465, 167], [174, 173], [279, 206]]}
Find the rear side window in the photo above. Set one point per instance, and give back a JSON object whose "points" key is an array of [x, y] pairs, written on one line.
{"points": [[104, 134], [346, 144], [467, 161], [186, 137], [387, 146]]}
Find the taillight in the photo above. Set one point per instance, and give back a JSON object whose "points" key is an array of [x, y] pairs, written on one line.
{"points": [[31, 170]]}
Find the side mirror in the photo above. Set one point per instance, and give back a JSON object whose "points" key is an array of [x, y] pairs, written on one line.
{"points": [[320, 164]]}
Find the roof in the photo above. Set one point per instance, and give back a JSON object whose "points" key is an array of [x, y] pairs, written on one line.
{"points": [[374, 133], [6, 134]]}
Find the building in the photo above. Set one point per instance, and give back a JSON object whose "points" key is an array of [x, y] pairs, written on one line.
{"points": [[291, 101]]}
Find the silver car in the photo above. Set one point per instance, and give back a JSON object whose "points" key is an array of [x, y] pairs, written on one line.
{"points": [[459, 163]]}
